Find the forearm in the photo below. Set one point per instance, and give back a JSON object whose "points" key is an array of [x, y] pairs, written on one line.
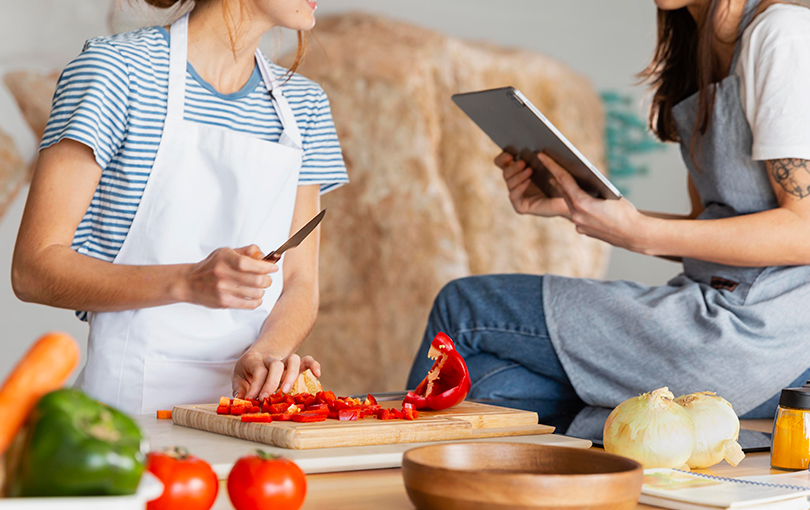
{"points": [[770, 238], [58, 276], [291, 319]]}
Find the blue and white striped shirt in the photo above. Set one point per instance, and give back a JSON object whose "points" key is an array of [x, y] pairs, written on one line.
{"points": [[113, 98]]}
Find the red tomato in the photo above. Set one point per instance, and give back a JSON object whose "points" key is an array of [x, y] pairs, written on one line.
{"points": [[265, 481], [190, 483]]}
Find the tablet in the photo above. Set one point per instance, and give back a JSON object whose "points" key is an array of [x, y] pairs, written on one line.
{"points": [[518, 127]]}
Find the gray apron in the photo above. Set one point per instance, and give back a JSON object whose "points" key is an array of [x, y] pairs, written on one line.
{"points": [[738, 331]]}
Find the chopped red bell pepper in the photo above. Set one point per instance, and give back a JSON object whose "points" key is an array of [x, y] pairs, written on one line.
{"points": [[448, 382], [370, 401], [281, 407], [348, 414], [236, 410], [266, 406], [410, 414], [254, 409], [257, 418], [308, 417], [223, 409], [325, 396], [255, 402], [397, 414], [385, 414], [282, 417], [369, 410]]}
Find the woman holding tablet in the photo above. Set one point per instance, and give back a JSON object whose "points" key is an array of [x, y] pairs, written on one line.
{"points": [[731, 87], [173, 158]]}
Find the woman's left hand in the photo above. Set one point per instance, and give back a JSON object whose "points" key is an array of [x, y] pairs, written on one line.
{"points": [[258, 375], [617, 222]]}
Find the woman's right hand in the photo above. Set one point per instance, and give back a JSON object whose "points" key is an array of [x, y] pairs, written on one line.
{"points": [[525, 196], [229, 278]]}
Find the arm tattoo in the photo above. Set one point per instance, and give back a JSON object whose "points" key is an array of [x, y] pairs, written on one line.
{"points": [[793, 175]]}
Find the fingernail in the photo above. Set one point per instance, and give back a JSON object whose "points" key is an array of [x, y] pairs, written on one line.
{"points": [[286, 388], [236, 394], [263, 396]]}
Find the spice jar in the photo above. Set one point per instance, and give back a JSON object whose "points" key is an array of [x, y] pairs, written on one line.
{"points": [[790, 447]]}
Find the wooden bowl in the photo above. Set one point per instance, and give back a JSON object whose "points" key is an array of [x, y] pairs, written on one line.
{"points": [[504, 476]]}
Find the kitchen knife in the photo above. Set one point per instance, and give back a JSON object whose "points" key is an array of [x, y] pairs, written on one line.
{"points": [[296, 239]]}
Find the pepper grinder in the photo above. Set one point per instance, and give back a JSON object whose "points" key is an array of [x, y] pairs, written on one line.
{"points": [[790, 446]]}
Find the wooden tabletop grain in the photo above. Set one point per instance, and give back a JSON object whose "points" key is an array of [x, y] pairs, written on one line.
{"points": [[383, 488]]}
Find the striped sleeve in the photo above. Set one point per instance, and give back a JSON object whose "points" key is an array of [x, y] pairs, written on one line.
{"points": [[323, 160], [91, 102]]}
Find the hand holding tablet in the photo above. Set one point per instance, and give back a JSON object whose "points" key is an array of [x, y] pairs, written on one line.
{"points": [[518, 127]]}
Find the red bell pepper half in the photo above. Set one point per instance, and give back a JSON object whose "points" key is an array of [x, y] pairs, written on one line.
{"points": [[448, 382]]}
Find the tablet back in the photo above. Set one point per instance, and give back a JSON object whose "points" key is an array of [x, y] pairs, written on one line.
{"points": [[518, 127]]}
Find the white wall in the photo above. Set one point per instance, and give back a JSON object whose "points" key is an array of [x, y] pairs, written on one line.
{"points": [[607, 40]]}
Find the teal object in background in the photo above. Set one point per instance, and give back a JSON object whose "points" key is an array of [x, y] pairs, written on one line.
{"points": [[627, 137]]}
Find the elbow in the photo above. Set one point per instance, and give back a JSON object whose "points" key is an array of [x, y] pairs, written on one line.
{"points": [[21, 283], [26, 280]]}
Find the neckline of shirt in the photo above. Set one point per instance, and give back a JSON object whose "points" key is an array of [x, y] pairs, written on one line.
{"points": [[247, 88]]}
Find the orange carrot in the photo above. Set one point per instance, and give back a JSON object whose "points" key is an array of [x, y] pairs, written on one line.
{"points": [[164, 415], [44, 368]]}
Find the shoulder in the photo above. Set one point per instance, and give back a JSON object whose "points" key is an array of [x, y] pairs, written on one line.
{"points": [[137, 51], [779, 25]]}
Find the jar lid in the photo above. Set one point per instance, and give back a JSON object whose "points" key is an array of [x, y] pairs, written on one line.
{"points": [[797, 398]]}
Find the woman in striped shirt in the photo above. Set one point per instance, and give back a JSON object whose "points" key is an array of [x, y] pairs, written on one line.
{"points": [[172, 161]]}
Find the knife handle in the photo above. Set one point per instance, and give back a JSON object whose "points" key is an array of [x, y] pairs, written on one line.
{"points": [[272, 257]]}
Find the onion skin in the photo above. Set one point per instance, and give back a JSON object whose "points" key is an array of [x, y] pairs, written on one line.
{"points": [[716, 430], [652, 430]]}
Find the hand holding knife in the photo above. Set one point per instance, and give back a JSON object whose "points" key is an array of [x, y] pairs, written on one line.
{"points": [[296, 239]]}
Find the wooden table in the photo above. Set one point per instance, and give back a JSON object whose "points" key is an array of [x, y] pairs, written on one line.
{"points": [[383, 488]]}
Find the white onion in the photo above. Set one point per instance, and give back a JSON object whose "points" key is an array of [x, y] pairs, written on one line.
{"points": [[652, 430], [716, 429]]}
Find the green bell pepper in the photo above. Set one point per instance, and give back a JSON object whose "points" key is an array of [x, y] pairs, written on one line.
{"points": [[76, 446]]}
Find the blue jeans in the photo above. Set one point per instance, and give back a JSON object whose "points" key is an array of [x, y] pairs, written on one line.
{"points": [[498, 325]]}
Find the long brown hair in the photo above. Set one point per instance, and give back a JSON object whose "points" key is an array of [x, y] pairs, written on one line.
{"points": [[683, 64], [232, 29]]}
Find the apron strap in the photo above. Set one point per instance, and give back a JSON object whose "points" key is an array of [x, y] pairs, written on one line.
{"points": [[291, 135], [178, 63], [751, 7]]}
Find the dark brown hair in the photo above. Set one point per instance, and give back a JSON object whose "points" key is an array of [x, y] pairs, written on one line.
{"points": [[229, 23], [682, 65]]}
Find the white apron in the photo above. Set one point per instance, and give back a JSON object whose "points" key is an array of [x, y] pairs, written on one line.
{"points": [[209, 188]]}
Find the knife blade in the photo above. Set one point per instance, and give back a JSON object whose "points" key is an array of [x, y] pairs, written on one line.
{"points": [[296, 239]]}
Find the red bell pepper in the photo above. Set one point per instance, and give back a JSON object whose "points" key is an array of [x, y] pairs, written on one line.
{"points": [[325, 397], [308, 417], [448, 382], [281, 407], [236, 410], [348, 414], [410, 414], [282, 417], [257, 418]]}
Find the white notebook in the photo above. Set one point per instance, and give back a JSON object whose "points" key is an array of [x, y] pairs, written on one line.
{"points": [[682, 490]]}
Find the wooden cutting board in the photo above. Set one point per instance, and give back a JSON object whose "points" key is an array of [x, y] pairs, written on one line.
{"points": [[468, 420]]}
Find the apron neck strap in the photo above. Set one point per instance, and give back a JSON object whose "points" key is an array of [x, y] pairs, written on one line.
{"points": [[291, 135], [178, 63], [750, 11]]}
